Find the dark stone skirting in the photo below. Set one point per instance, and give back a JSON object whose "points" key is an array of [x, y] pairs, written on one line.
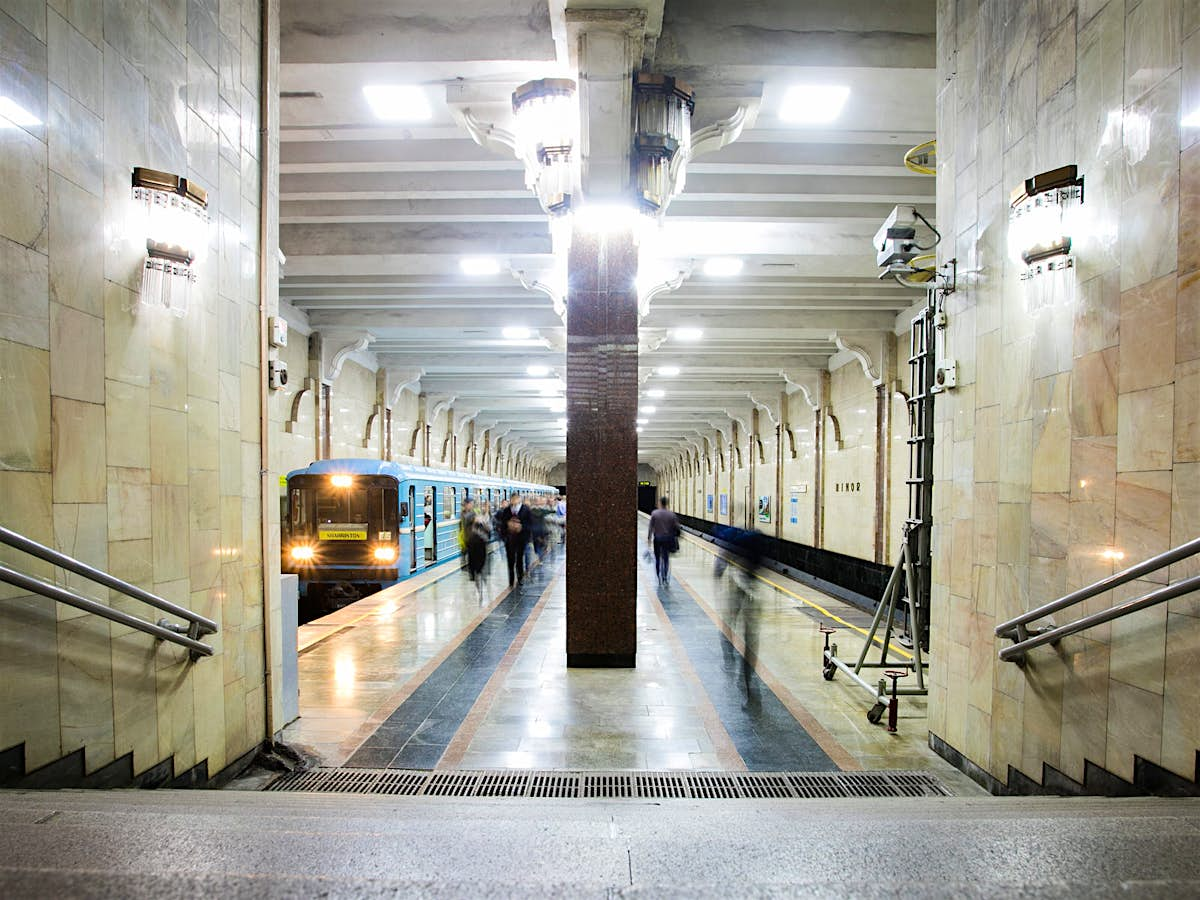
{"points": [[601, 660]]}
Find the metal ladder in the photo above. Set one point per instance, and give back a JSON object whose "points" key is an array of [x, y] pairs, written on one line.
{"points": [[909, 583]]}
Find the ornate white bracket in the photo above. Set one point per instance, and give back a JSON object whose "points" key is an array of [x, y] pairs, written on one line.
{"points": [[557, 297], [309, 387], [868, 348], [808, 383], [464, 420], [725, 131], [648, 343], [335, 349], [440, 405], [773, 412], [397, 381], [734, 417], [663, 287]]}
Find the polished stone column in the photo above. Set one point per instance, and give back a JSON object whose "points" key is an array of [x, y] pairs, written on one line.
{"points": [[602, 392]]}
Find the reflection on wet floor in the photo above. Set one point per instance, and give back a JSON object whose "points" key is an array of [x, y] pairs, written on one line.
{"points": [[430, 677]]}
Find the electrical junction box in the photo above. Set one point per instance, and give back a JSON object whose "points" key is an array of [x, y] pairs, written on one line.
{"points": [[277, 374], [278, 331], [945, 375]]}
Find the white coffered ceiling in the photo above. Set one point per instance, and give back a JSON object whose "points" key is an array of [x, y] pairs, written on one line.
{"points": [[376, 217]]}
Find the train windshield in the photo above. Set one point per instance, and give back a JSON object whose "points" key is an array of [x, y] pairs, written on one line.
{"points": [[371, 505]]}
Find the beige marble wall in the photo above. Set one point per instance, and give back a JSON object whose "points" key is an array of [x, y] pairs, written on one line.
{"points": [[849, 473], [1073, 437], [132, 436]]}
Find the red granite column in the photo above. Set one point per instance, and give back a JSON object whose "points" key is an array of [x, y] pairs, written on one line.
{"points": [[602, 391]]}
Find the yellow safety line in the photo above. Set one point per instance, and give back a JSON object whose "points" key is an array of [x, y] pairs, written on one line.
{"points": [[822, 610]]}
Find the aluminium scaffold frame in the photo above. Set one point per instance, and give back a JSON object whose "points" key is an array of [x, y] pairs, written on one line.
{"points": [[909, 582]]}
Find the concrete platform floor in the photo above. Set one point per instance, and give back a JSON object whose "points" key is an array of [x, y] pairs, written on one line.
{"points": [[168, 844], [435, 675]]}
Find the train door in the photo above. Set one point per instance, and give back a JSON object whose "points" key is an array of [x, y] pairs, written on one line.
{"points": [[429, 525], [411, 516]]}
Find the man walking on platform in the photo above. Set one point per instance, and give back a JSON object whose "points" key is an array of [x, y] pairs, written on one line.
{"points": [[664, 532], [515, 526]]}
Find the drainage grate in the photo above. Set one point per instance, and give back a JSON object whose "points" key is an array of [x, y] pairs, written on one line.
{"points": [[680, 784]]}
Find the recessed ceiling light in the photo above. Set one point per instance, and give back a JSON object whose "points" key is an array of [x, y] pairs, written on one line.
{"points": [[516, 333], [537, 371], [656, 393], [562, 423], [722, 266], [548, 392], [813, 103], [667, 371], [688, 334], [13, 115], [558, 406], [1191, 120], [479, 265], [398, 102], [647, 410], [638, 429], [642, 422]]}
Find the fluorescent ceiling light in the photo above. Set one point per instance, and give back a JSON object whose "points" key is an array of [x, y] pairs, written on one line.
{"points": [[562, 423], [656, 393], [558, 406], [642, 422], [537, 371], [516, 333], [688, 334], [722, 266], [398, 102], [13, 115], [1192, 119], [549, 392], [479, 265], [647, 410], [638, 429], [667, 371], [813, 103]]}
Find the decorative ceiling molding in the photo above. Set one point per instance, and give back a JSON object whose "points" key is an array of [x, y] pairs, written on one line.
{"points": [[869, 348], [807, 382], [396, 381], [556, 296], [772, 410], [335, 347]]}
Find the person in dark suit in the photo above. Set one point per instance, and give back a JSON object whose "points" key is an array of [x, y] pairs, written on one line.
{"points": [[516, 525]]}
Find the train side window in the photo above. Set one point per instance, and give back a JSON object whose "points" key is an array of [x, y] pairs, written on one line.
{"points": [[404, 511], [390, 497], [297, 508], [448, 502]]}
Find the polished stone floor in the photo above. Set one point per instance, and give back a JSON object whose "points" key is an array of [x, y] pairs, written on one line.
{"points": [[432, 674]]}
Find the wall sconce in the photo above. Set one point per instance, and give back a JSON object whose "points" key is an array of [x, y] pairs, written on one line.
{"points": [[175, 221], [547, 128], [662, 138], [1042, 221]]}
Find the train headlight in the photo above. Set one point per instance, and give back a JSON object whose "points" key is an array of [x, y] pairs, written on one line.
{"points": [[302, 554], [385, 554], [341, 481]]}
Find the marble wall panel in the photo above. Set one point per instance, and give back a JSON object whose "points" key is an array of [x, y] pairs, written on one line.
{"points": [[76, 247], [1091, 400], [76, 354], [25, 406], [127, 417]]}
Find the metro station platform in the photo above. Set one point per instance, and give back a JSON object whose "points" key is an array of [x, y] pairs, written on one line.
{"points": [[433, 675]]}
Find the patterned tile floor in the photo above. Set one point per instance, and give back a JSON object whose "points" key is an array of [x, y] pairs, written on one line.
{"points": [[434, 676]]}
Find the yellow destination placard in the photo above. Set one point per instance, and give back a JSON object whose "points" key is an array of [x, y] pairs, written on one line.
{"points": [[342, 533]]}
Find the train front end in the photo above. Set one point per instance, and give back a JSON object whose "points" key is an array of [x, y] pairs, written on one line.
{"points": [[343, 534]]}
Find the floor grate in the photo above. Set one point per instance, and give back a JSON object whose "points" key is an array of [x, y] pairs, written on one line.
{"points": [[680, 784]]}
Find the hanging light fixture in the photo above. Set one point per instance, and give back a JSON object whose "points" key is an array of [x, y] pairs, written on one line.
{"points": [[547, 117], [173, 213], [662, 138]]}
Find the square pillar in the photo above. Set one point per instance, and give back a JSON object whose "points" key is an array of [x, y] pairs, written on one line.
{"points": [[602, 397]]}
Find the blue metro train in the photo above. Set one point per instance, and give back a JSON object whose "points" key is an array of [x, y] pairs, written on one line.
{"points": [[355, 526]]}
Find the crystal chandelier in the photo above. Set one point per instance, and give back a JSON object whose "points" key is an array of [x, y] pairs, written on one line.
{"points": [[662, 138], [547, 131]]}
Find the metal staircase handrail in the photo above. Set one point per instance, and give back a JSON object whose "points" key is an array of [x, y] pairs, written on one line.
{"points": [[1159, 595], [162, 630], [33, 548], [1025, 640]]}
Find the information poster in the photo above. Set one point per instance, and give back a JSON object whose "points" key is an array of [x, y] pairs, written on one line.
{"points": [[795, 517], [764, 508], [724, 504], [708, 504]]}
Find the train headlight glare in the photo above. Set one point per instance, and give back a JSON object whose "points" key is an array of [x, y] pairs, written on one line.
{"points": [[385, 554], [303, 554], [342, 481]]}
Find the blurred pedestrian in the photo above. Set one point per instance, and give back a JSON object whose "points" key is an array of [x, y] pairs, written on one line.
{"points": [[663, 534], [515, 525], [738, 564]]}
